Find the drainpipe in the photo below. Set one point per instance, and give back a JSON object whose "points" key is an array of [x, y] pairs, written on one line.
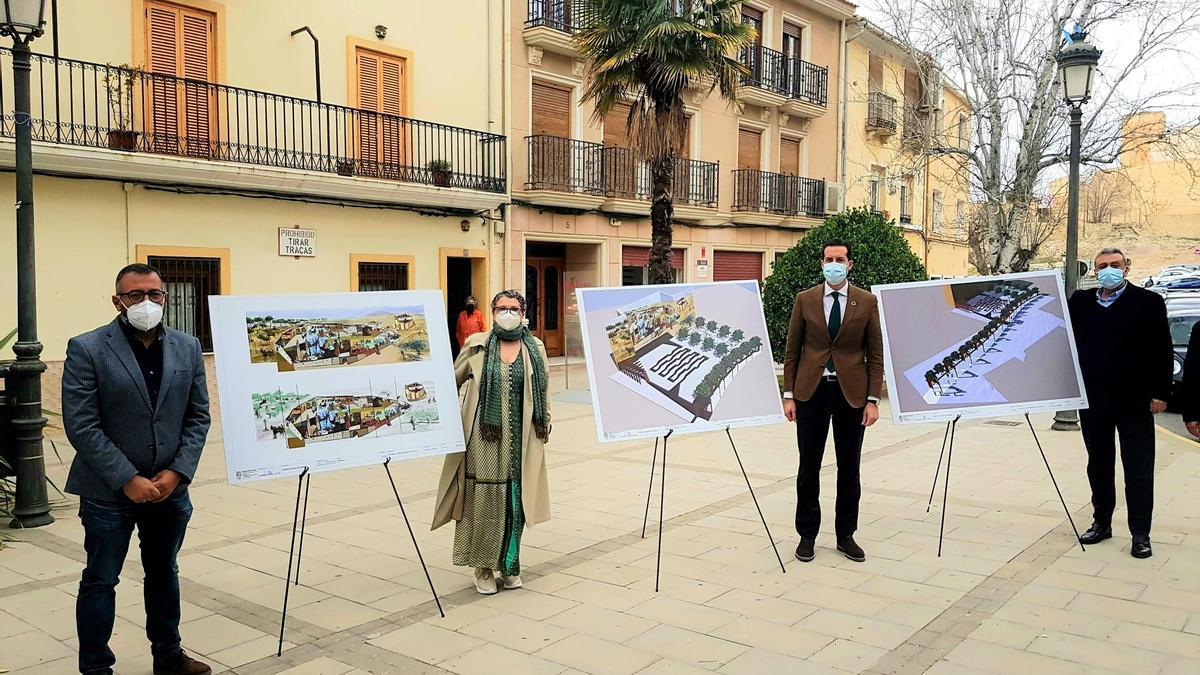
{"points": [[506, 127], [845, 87]]}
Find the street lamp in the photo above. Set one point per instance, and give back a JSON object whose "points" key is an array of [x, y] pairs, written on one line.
{"points": [[1076, 72], [23, 21]]}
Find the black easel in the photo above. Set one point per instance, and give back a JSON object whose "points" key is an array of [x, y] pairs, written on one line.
{"points": [[414, 538], [287, 582], [662, 497], [304, 480], [950, 427]]}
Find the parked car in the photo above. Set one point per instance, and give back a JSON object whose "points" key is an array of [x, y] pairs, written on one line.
{"points": [[1181, 322], [1189, 284], [1168, 275]]}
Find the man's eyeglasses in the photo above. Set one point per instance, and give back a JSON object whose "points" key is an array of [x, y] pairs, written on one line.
{"points": [[136, 297]]}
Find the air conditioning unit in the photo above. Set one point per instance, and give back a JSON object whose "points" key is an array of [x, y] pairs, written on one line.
{"points": [[834, 198]]}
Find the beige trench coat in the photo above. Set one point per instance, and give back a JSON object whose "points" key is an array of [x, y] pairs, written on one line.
{"points": [[535, 489]]}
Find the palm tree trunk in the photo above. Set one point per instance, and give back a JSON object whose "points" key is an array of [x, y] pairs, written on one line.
{"points": [[662, 214]]}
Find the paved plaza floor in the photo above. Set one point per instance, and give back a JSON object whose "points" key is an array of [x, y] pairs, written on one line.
{"points": [[1011, 593]]}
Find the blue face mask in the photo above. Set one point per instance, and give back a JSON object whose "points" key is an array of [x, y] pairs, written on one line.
{"points": [[835, 272], [1111, 277]]}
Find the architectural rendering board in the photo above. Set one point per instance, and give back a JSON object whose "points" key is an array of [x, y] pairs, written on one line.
{"points": [[332, 381], [682, 357], [979, 347]]}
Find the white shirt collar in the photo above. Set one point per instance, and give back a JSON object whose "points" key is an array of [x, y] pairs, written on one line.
{"points": [[842, 292]]}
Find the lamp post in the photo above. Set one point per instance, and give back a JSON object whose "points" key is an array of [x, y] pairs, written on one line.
{"points": [[1076, 71], [23, 21]]}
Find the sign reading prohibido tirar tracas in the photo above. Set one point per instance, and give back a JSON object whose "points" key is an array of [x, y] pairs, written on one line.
{"points": [[299, 243]]}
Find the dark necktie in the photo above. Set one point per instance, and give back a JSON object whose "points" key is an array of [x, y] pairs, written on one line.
{"points": [[835, 324]]}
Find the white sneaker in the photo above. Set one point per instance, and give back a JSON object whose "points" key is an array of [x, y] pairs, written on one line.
{"points": [[485, 582], [511, 582]]}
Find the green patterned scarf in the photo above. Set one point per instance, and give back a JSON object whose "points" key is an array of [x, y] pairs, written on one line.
{"points": [[490, 417]]}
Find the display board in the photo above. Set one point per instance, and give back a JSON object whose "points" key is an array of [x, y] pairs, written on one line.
{"points": [[979, 347], [332, 381], [680, 357]]}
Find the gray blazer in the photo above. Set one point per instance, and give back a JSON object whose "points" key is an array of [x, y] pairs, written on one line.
{"points": [[110, 422]]}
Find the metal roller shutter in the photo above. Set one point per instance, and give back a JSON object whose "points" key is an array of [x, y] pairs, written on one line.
{"points": [[639, 256], [737, 265]]}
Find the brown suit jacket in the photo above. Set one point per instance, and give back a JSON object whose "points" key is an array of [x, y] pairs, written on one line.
{"points": [[857, 349]]}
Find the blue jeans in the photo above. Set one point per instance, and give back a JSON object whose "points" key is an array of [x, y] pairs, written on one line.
{"points": [[107, 528]]}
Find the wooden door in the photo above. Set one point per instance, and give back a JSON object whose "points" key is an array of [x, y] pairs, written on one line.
{"points": [[544, 299], [550, 152], [180, 47], [382, 98]]}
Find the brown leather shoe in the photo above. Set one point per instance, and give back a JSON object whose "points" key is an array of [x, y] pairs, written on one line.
{"points": [[186, 665]]}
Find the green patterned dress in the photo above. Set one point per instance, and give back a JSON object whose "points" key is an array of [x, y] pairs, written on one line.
{"points": [[489, 534]]}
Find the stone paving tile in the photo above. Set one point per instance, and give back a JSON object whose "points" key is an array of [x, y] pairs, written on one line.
{"points": [[793, 641], [492, 658], [335, 613], [594, 655], [848, 655], [516, 632], [687, 646], [31, 649], [426, 643], [319, 666]]}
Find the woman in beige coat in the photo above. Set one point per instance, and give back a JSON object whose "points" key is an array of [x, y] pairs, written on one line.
{"points": [[499, 484]]}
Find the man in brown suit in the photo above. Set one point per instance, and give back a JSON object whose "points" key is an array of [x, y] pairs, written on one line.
{"points": [[832, 370]]}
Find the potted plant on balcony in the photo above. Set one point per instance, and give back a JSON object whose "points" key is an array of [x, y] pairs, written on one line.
{"points": [[118, 81], [345, 167], [441, 171]]}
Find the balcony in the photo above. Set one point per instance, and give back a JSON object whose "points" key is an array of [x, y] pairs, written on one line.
{"points": [[144, 126], [765, 198], [565, 172], [577, 174], [777, 80], [550, 25], [917, 127], [881, 114]]}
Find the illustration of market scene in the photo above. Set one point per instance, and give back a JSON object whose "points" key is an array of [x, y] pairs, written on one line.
{"points": [[303, 418], [674, 357], [300, 340], [1011, 321]]}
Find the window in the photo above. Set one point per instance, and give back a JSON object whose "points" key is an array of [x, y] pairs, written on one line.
{"points": [[635, 265], [906, 201], [750, 149], [875, 72], [180, 43], [383, 100], [754, 17], [960, 217], [382, 276], [792, 44], [963, 142], [938, 218], [189, 282], [875, 190], [789, 156], [551, 110]]}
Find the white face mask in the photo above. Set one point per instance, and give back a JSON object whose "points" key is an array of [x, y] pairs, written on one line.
{"points": [[145, 316], [508, 319]]}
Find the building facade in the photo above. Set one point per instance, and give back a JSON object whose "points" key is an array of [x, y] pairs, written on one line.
{"points": [[203, 136], [756, 175], [902, 123]]}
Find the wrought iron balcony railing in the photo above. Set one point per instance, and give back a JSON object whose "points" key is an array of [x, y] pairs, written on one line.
{"points": [[628, 177], [561, 15], [778, 193], [781, 74], [881, 111], [565, 165], [101, 106]]}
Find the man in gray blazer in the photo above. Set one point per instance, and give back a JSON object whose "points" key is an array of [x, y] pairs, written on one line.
{"points": [[135, 408]]}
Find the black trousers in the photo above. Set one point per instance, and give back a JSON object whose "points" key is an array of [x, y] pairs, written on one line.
{"points": [[1136, 432], [812, 429]]}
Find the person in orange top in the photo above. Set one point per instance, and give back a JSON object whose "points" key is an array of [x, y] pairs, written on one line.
{"points": [[469, 323]]}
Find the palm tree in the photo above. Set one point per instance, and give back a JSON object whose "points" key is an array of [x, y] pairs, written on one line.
{"points": [[651, 52]]}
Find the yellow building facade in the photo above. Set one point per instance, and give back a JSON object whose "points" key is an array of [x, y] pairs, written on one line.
{"points": [[200, 136], [756, 177], [900, 119]]}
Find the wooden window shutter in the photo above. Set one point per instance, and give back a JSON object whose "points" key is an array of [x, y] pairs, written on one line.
{"points": [[912, 88], [616, 126], [789, 156], [686, 151], [162, 58], [875, 73], [551, 110], [367, 72], [749, 149], [382, 102], [391, 104], [196, 48]]}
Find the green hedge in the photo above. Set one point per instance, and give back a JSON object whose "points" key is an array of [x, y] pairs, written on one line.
{"points": [[878, 249]]}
